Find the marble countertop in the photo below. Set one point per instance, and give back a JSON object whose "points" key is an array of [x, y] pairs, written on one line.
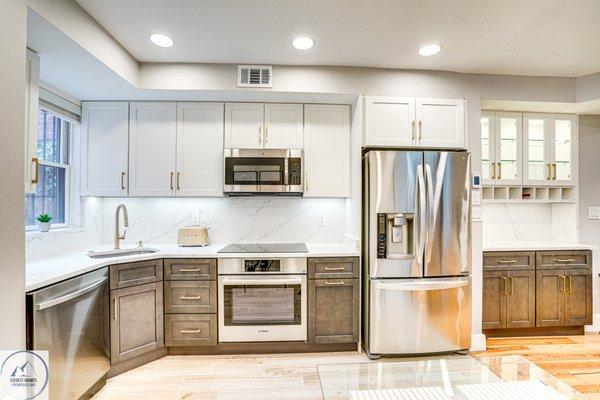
{"points": [[46, 271], [525, 246]]}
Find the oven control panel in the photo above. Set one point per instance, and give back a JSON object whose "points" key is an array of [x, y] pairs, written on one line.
{"points": [[262, 265], [295, 171]]}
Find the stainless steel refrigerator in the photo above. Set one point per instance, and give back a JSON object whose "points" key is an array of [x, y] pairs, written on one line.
{"points": [[416, 252]]}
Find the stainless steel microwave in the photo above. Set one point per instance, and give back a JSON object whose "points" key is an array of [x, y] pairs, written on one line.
{"points": [[263, 171]]}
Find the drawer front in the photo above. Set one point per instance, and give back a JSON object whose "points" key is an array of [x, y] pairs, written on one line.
{"points": [[190, 297], [190, 329], [137, 273], [511, 260], [333, 267], [190, 269], [564, 259]]}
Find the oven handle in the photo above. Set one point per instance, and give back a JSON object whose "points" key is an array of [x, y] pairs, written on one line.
{"points": [[269, 281]]}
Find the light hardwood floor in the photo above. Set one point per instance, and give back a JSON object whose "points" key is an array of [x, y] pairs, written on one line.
{"points": [[573, 359]]}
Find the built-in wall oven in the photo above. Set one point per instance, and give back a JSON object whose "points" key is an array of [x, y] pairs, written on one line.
{"points": [[262, 299], [263, 171]]}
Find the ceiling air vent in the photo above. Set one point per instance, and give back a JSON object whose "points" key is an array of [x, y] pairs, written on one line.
{"points": [[254, 76]]}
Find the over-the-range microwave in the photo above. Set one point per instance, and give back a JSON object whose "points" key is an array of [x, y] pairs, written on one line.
{"points": [[263, 171]]}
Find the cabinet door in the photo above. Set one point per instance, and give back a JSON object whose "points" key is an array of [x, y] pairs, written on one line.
{"points": [[190, 297], [327, 150], [578, 297], [520, 299], [389, 121], [284, 126], [562, 145], [333, 310], [494, 299], [244, 125], [104, 148], [508, 138], [199, 149], [488, 148], [550, 285], [152, 149], [32, 73], [536, 153], [441, 123], [136, 321]]}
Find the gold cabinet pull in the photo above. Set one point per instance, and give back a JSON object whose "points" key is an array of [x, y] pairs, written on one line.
{"points": [[507, 261], [554, 173], [260, 135], [116, 309], [499, 170], [333, 268], [420, 130], [266, 134], [412, 137], [505, 290], [564, 283], [122, 180], [564, 260], [189, 270], [510, 278], [171, 181], [334, 283], [36, 162], [549, 177], [493, 171], [178, 174], [190, 298], [184, 331], [570, 290]]}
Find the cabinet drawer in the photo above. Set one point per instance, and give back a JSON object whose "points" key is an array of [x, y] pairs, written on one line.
{"points": [[190, 297], [190, 329], [190, 269], [564, 259], [334, 267], [493, 261], [137, 273]]}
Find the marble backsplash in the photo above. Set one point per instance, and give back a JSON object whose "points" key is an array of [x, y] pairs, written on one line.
{"points": [[516, 222]]}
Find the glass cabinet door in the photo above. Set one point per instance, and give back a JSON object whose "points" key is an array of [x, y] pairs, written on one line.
{"points": [[562, 149], [508, 147], [536, 155], [487, 148]]}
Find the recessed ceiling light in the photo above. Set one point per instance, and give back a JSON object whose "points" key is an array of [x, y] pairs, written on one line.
{"points": [[303, 42], [161, 40], [429, 50]]}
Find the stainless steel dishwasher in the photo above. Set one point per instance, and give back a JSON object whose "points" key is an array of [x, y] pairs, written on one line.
{"points": [[71, 320]]}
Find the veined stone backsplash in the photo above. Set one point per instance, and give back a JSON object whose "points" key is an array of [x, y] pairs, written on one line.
{"points": [[516, 222]]}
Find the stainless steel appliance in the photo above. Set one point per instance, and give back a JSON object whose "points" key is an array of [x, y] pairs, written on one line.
{"points": [[263, 171], [71, 320], [416, 252], [262, 297]]}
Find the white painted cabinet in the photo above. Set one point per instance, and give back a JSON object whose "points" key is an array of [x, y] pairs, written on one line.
{"points": [[441, 123], [327, 150], [152, 148], [414, 122], [244, 125], [199, 149], [390, 121], [562, 149], [32, 72], [283, 127], [537, 168], [104, 148], [501, 152]]}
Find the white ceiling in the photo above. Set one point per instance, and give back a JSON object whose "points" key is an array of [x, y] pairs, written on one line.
{"points": [[515, 37]]}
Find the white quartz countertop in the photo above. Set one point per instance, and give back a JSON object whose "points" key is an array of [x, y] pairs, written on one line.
{"points": [[46, 271], [531, 246]]}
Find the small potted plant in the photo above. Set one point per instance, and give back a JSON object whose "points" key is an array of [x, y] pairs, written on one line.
{"points": [[44, 222]]}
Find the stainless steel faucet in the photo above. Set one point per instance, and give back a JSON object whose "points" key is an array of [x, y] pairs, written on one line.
{"points": [[118, 236]]}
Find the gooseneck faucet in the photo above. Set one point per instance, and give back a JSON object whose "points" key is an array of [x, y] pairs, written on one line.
{"points": [[118, 236]]}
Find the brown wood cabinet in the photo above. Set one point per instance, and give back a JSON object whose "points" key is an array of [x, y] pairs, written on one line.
{"points": [[177, 269], [333, 300], [136, 321], [135, 273], [191, 329], [190, 297]]}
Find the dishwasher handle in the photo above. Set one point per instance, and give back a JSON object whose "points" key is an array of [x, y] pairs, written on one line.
{"points": [[70, 296]]}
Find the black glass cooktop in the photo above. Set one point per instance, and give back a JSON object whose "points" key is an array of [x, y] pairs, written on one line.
{"points": [[265, 248]]}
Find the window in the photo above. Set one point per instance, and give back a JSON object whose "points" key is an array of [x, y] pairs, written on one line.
{"points": [[52, 191]]}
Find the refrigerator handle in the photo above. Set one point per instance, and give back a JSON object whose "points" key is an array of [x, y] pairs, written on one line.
{"points": [[422, 215], [430, 214], [423, 284]]}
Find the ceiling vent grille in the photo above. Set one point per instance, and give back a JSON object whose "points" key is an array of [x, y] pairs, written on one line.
{"points": [[255, 76]]}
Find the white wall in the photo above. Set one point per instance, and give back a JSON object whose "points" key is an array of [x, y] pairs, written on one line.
{"points": [[13, 25]]}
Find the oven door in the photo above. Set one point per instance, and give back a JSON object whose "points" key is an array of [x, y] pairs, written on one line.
{"points": [[256, 174], [262, 308]]}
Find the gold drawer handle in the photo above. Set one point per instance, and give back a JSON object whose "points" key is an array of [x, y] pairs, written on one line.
{"points": [[189, 270], [565, 260], [190, 331], [570, 289], [334, 283], [507, 261], [505, 281], [564, 284], [190, 298], [334, 268]]}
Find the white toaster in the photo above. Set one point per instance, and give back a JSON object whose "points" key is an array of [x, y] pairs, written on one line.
{"points": [[192, 236]]}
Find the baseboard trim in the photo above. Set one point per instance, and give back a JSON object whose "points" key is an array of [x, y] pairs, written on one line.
{"points": [[478, 342], [595, 327]]}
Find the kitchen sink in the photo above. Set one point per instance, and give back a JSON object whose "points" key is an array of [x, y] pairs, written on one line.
{"points": [[120, 253]]}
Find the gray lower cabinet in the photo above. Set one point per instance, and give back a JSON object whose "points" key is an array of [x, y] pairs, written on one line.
{"points": [[191, 329], [190, 297], [136, 321]]}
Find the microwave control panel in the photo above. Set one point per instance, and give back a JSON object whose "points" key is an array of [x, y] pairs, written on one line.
{"points": [[295, 171]]}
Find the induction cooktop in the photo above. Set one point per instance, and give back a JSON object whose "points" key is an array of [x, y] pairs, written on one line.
{"points": [[265, 248]]}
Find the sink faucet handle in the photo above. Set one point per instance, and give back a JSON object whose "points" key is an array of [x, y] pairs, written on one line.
{"points": [[140, 244]]}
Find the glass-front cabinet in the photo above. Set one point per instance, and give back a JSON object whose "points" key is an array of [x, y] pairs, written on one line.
{"points": [[563, 149], [501, 153]]}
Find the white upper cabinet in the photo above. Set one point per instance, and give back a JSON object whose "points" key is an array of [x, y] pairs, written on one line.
{"points": [[390, 121], [32, 72], [199, 149], [501, 148], [488, 146], [244, 125], [536, 150], [152, 149], [414, 122], [104, 148], [283, 128], [441, 123], [562, 149], [327, 150]]}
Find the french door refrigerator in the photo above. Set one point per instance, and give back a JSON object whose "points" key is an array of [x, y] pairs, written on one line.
{"points": [[416, 252]]}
